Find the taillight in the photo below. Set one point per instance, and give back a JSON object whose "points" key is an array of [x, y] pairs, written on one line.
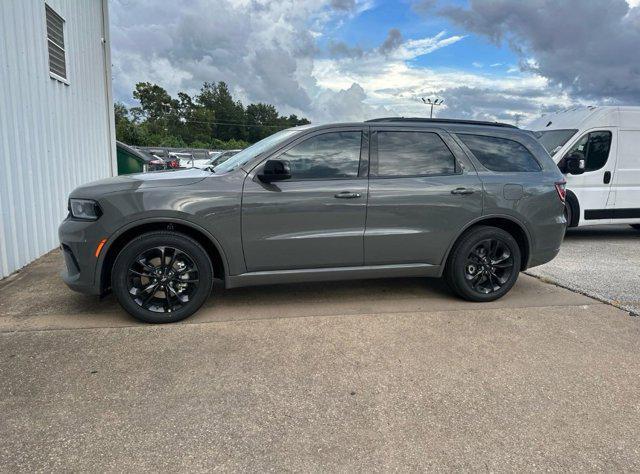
{"points": [[561, 188]]}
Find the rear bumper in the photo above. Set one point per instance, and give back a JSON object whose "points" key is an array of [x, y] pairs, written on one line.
{"points": [[539, 258]]}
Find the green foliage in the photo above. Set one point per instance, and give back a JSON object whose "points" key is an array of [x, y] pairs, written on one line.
{"points": [[210, 119]]}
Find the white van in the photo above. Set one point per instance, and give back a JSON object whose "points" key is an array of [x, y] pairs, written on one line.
{"points": [[598, 150]]}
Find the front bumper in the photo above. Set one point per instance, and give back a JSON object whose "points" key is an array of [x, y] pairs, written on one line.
{"points": [[78, 242]]}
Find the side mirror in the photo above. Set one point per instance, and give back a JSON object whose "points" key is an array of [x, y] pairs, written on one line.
{"points": [[575, 163], [275, 170]]}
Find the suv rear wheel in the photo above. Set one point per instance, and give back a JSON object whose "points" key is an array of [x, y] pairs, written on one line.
{"points": [[162, 277], [483, 264]]}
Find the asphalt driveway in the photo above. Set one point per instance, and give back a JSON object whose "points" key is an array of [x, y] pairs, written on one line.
{"points": [[353, 376], [599, 261]]}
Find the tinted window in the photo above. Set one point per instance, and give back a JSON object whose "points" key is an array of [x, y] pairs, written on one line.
{"points": [[413, 154], [327, 156], [500, 154], [595, 147]]}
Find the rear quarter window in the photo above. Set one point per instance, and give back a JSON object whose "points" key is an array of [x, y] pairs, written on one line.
{"points": [[500, 154]]}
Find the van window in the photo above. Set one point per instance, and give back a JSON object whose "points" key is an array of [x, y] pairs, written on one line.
{"points": [[553, 140], [595, 147], [413, 154], [500, 154]]}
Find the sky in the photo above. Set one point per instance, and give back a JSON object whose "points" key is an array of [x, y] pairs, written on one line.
{"points": [[351, 60]]}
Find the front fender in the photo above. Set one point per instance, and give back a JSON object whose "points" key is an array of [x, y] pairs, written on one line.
{"points": [[144, 224]]}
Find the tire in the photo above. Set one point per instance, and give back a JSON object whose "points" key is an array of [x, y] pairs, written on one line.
{"points": [[492, 278], [635, 226], [568, 214], [180, 288]]}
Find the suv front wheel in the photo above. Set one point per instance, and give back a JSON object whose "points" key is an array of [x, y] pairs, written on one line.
{"points": [[484, 264], [162, 277]]}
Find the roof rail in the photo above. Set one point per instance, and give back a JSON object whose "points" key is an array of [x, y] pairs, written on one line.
{"points": [[441, 120]]}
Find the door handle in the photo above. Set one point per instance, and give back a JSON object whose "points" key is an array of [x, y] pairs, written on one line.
{"points": [[462, 191], [607, 177], [347, 195]]}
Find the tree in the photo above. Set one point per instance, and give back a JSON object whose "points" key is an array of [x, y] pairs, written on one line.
{"points": [[159, 109], [126, 129], [229, 115], [262, 121], [210, 119]]}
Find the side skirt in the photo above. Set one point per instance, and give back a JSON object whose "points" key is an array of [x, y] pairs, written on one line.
{"points": [[333, 274], [629, 213]]}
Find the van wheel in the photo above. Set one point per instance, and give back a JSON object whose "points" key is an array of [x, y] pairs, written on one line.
{"points": [[162, 277], [635, 226], [484, 264], [568, 214]]}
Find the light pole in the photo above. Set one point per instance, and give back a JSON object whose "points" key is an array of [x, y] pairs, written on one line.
{"points": [[432, 103]]}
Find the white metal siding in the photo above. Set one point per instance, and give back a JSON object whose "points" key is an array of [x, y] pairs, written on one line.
{"points": [[53, 136]]}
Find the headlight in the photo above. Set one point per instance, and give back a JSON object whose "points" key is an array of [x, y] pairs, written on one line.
{"points": [[84, 209]]}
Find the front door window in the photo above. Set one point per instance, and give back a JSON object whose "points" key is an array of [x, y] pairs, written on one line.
{"points": [[595, 147], [334, 155]]}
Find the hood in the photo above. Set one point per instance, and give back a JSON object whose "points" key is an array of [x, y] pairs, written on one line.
{"points": [[154, 179]]}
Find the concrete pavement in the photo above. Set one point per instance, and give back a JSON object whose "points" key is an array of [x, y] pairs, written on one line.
{"points": [[353, 376]]}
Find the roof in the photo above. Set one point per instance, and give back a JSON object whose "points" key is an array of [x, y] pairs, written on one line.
{"points": [[591, 116], [442, 121]]}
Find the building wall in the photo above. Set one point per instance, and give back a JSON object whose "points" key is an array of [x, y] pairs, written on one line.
{"points": [[53, 136]]}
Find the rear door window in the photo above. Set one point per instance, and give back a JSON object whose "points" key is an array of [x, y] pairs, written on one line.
{"points": [[413, 154], [500, 154]]}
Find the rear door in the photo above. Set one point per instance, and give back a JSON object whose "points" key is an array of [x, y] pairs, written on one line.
{"points": [[315, 219], [422, 192], [593, 187]]}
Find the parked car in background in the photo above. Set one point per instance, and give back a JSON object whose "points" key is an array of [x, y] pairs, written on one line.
{"points": [[597, 148], [185, 160], [475, 202], [156, 164]]}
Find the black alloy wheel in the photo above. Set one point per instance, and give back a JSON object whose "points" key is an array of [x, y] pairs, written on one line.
{"points": [[489, 266], [483, 264], [162, 277]]}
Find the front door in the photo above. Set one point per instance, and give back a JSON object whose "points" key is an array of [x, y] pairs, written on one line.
{"points": [[315, 219], [593, 187], [422, 192]]}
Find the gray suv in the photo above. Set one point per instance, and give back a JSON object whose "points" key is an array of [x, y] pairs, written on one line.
{"points": [[475, 202]]}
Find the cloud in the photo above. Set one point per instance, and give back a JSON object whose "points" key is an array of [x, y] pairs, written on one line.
{"points": [[349, 104], [346, 5], [266, 51], [262, 49], [419, 47], [424, 7], [341, 49], [392, 41], [283, 53], [588, 48]]}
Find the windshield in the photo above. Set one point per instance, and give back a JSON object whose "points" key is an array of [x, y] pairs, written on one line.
{"points": [[244, 156], [553, 140]]}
